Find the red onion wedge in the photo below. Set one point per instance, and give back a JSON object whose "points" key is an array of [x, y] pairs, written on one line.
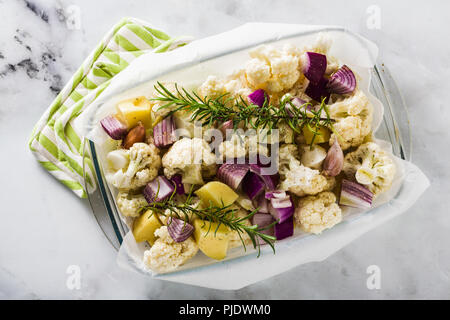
{"points": [[314, 66], [355, 195], [318, 91], [276, 194], [232, 174], [342, 81], [114, 127], [285, 229], [179, 230], [270, 180], [297, 104], [257, 97], [261, 203], [281, 208], [158, 190], [177, 182], [252, 185], [263, 220], [164, 133]]}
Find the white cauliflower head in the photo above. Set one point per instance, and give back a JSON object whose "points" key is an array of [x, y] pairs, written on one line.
{"points": [[142, 167], [317, 213], [129, 204], [272, 69], [192, 158], [233, 86], [297, 178], [353, 117], [240, 146], [167, 255], [233, 236], [371, 166], [212, 88]]}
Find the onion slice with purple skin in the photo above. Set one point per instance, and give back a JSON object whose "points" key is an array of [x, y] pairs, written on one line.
{"points": [[114, 127], [270, 180], [164, 133], [232, 174], [276, 194], [177, 181], [285, 229], [342, 81], [281, 209], [261, 203], [179, 229], [318, 91], [252, 185], [355, 195], [257, 97], [263, 220], [158, 190], [298, 104], [314, 66]]}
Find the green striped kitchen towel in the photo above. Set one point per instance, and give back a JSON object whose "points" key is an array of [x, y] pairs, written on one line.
{"points": [[54, 142]]}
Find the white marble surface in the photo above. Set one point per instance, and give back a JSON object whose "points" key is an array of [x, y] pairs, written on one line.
{"points": [[45, 228]]}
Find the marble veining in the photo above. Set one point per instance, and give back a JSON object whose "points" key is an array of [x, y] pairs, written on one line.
{"points": [[45, 229]]}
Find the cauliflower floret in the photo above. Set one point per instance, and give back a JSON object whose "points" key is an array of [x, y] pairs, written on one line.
{"points": [[317, 213], [271, 69], [236, 88], [234, 239], [233, 86], [370, 166], [144, 163], [236, 147], [240, 146], [353, 120], [191, 158], [321, 45], [166, 255], [212, 88], [129, 204], [285, 133], [297, 178]]}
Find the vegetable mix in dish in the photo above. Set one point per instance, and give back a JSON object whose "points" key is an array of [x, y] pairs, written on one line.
{"points": [[283, 143]]}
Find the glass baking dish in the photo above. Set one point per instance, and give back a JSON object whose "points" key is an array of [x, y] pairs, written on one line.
{"points": [[394, 128]]}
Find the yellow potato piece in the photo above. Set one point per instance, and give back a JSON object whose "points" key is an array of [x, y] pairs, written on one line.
{"points": [[211, 243], [217, 194], [145, 226], [134, 110], [323, 137]]}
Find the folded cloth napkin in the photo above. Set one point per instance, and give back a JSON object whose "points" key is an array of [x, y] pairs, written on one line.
{"points": [[54, 142]]}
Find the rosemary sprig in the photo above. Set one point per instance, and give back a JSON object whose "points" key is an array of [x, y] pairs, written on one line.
{"points": [[225, 215], [218, 110]]}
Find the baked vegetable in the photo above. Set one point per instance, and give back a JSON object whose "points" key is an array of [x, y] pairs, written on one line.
{"points": [[145, 226], [217, 193], [212, 238]]}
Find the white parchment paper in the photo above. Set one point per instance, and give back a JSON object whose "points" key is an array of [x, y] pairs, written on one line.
{"points": [[220, 55]]}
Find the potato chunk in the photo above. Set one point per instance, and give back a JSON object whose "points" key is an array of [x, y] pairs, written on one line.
{"points": [[212, 243], [145, 226], [217, 194], [323, 137], [134, 110]]}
